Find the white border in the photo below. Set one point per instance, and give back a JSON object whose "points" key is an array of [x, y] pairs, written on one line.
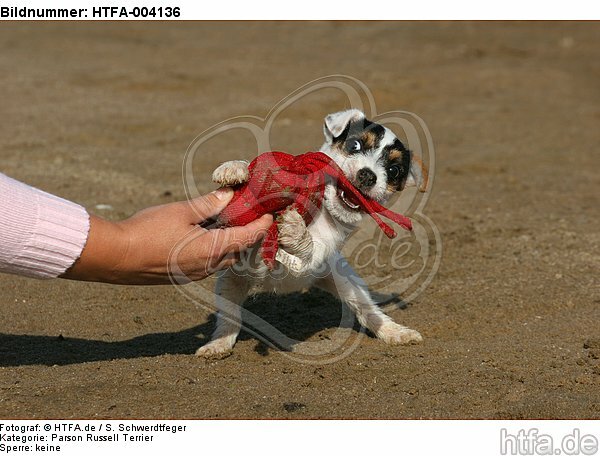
{"points": [[348, 10], [302, 438]]}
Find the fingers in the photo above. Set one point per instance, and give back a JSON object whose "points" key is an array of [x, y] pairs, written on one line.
{"points": [[239, 238], [227, 261], [209, 205], [207, 251]]}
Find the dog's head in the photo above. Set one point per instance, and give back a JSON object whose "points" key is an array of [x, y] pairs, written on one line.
{"points": [[373, 159]]}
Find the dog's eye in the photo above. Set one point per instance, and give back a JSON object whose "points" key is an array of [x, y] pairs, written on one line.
{"points": [[354, 145], [394, 171]]}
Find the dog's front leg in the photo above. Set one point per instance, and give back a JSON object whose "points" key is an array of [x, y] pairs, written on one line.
{"points": [[295, 239], [231, 291], [231, 173], [349, 287]]}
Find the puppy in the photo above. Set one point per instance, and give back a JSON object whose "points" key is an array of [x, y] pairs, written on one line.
{"points": [[378, 164]]}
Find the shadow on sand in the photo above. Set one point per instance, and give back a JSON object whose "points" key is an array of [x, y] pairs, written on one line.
{"points": [[303, 315]]}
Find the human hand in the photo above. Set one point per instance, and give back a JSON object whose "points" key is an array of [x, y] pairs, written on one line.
{"points": [[138, 250]]}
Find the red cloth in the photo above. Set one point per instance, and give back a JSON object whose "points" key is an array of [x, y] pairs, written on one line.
{"points": [[279, 180]]}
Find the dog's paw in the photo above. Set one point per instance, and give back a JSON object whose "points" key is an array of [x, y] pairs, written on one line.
{"points": [[395, 334], [291, 227], [293, 236], [231, 173], [215, 349]]}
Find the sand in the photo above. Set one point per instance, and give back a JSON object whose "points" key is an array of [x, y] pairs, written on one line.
{"points": [[102, 113]]}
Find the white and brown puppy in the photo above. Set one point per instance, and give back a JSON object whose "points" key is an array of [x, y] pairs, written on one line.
{"points": [[378, 164]]}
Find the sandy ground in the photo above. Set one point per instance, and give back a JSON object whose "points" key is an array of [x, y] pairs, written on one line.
{"points": [[103, 114]]}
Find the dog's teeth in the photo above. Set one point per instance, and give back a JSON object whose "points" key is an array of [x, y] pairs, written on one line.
{"points": [[346, 202]]}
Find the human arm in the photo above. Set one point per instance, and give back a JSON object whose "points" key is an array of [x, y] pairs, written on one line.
{"points": [[158, 242], [42, 236]]}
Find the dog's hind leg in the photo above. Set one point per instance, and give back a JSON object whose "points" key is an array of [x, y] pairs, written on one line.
{"points": [[231, 291], [349, 287]]}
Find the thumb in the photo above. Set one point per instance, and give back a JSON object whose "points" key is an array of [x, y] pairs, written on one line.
{"points": [[209, 205]]}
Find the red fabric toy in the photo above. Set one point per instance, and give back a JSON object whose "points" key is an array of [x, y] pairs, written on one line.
{"points": [[279, 181]]}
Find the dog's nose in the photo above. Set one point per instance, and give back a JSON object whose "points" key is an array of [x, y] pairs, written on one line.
{"points": [[365, 178]]}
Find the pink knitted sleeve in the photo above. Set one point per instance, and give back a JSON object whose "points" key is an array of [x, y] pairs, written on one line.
{"points": [[41, 235]]}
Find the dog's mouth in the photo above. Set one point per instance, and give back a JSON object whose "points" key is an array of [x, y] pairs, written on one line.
{"points": [[349, 200]]}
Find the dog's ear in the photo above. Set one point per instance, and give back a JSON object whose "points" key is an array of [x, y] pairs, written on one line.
{"points": [[336, 123], [417, 175]]}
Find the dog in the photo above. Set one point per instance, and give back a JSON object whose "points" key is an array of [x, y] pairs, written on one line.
{"points": [[379, 165]]}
